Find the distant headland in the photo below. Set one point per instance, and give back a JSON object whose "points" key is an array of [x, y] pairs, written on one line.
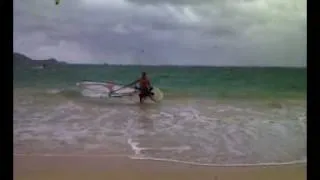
{"points": [[22, 60]]}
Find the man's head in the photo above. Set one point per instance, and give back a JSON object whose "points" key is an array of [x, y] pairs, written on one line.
{"points": [[143, 74]]}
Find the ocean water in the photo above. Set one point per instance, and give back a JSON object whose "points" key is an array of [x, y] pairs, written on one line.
{"points": [[209, 116]]}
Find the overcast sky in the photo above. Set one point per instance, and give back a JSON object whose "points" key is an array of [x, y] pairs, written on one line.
{"points": [[178, 32]]}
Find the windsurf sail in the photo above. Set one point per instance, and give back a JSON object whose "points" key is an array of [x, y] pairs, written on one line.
{"points": [[107, 88], [112, 89]]}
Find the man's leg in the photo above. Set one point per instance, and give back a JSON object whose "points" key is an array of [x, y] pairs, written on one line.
{"points": [[141, 98]]}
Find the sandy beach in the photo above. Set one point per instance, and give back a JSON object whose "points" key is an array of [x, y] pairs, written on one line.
{"points": [[96, 168]]}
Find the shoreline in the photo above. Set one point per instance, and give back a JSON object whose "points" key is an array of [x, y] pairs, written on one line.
{"points": [[173, 161], [112, 167]]}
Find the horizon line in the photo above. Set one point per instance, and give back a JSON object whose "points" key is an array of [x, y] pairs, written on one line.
{"points": [[188, 65], [166, 65]]}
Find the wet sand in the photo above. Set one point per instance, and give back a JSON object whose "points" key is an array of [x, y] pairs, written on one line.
{"points": [[123, 168]]}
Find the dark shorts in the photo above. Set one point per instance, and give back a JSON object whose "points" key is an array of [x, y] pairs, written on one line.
{"points": [[145, 92]]}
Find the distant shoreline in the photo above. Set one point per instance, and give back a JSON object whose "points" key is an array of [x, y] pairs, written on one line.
{"points": [[19, 58], [190, 66]]}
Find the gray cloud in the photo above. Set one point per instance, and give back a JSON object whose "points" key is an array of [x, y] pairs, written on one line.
{"points": [[221, 32]]}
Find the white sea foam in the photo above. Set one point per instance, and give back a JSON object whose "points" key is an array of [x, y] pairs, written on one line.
{"points": [[220, 165], [191, 133], [54, 91]]}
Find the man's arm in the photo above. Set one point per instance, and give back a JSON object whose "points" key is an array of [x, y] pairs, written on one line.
{"points": [[134, 82]]}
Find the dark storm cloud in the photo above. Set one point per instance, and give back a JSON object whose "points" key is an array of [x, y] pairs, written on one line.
{"points": [[217, 32]]}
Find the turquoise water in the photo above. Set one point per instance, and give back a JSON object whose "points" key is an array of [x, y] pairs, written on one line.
{"points": [[211, 116], [178, 81]]}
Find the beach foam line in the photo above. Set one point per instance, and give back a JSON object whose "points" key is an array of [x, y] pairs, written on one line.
{"points": [[137, 150], [220, 165], [138, 156], [161, 159]]}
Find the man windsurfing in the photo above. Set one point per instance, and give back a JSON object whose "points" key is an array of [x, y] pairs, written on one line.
{"points": [[143, 84]]}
